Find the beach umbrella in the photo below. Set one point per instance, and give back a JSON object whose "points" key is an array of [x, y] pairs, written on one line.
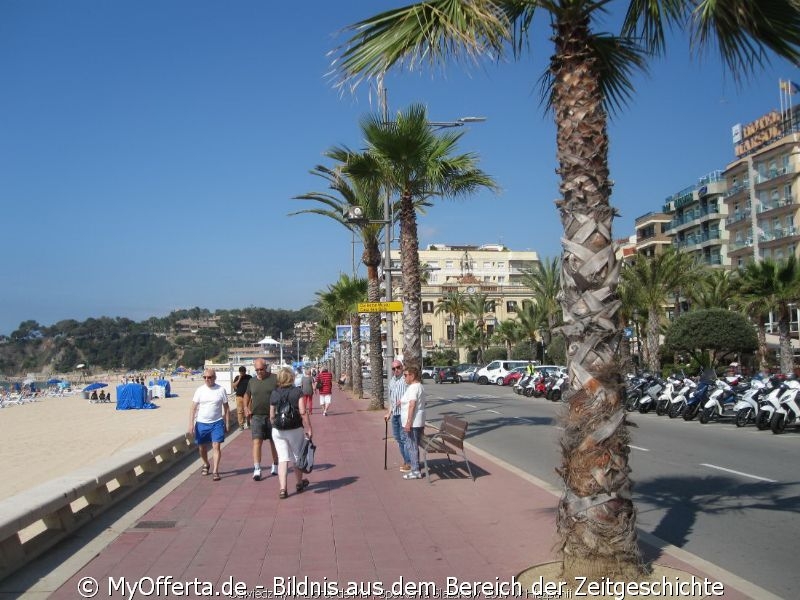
{"points": [[94, 386], [53, 381]]}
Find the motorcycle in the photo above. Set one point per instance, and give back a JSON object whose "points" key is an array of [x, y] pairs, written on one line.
{"points": [[721, 401], [678, 402], [559, 384], [636, 390], [650, 399], [787, 413], [673, 387], [772, 401], [746, 407], [696, 400]]}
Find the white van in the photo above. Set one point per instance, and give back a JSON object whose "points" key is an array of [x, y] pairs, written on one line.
{"points": [[496, 370]]}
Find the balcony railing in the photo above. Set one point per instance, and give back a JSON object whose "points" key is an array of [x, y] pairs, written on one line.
{"points": [[771, 174], [733, 190], [780, 202], [699, 238]]}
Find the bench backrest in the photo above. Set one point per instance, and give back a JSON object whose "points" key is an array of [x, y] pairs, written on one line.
{"points": [[456, 429]]}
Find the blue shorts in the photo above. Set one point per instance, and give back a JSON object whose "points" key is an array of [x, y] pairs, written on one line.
{"points": [[207, 433]]}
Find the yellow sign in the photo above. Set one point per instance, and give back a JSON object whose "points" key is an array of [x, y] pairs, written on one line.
{"points": [[374, 307]]}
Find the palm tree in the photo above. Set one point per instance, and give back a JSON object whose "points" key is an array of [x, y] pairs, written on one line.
{"points": [[350, 291], [347, 191], [416, 164], [589, 73], [532, 320], [544, 280], [478, 305], [716, 290], [472, 338], [508, 333], [453, 304], [770, 287], [653, 280]]}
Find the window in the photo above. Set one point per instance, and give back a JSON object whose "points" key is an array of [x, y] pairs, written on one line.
{"points": [[511, 306], [501, 265], [501, 279], [433, 278], [451, 330], [448, 264], [434, 264], [490, 306], [427, 333], [427, 307]]}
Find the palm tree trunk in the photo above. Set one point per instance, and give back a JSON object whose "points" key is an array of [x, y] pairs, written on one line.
{"points": [[653, 361], [355, 325], [596, 517], [761, 333], [375, 350], [412, 307], [785, 342]]}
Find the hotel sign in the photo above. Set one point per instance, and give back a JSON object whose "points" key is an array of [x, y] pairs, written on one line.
{"points": [[757, 133], [376, 307]]}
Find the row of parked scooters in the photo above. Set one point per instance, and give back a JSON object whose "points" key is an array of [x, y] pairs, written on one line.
{"points": [[772, 403], [542, 385]]}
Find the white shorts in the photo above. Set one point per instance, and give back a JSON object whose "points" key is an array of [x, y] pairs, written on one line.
{"points": [[288, 443], [324, 399]]}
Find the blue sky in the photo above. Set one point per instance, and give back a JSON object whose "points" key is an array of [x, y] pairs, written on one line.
{"points": [[149, 151]]}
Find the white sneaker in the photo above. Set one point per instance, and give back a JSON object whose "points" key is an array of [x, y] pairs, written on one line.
{"points": [[274, 470], [256, 474], [413, 475]]}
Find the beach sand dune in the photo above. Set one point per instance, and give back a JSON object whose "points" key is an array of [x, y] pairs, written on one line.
{"points": [[56, 435]]}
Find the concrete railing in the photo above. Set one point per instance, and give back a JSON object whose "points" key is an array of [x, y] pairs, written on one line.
{"points": [[35, 520]]}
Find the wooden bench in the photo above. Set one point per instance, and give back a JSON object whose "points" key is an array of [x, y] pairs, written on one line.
{"points": [[448, 439]]}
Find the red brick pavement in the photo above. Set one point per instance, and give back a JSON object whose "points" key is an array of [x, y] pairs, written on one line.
{"points": [[355, 523]]}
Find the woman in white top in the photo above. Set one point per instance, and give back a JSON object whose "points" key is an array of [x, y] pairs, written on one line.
{"points": [[412, 417]]}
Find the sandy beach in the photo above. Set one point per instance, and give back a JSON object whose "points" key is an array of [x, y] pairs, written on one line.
{"points": [[55, 435]]}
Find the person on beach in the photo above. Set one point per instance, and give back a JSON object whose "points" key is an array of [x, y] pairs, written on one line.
{"points": [[307, 387], [256, 401], [412, 416], [208, 420], [289, 441], [325, 390], [240, 388], [397, 387]]}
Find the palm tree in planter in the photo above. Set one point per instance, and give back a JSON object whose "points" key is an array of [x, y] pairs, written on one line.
{"points": [[453, 304], [588, 74]]}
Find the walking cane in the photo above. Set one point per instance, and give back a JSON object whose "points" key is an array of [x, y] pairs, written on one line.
{"points": [[385, 442]]}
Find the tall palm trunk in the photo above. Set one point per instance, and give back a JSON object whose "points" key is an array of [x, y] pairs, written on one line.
{"points": [[355, 363], [596, 517], [375, 351], [412, 294], [785, 341], [761, 334], [653, 361]]}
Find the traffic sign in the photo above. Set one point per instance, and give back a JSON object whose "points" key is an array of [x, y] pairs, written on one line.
{"points": [[374, 307]]}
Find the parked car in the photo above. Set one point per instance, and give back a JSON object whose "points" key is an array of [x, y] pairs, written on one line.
{"points": [[516, 374], [445, 374], [466, 372], [496, 370], [427, 372]]}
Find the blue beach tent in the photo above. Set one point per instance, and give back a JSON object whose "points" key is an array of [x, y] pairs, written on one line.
{"points": [[132, 396]]}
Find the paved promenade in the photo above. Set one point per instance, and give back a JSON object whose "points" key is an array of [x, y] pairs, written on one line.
{"points": [[355, 523]]}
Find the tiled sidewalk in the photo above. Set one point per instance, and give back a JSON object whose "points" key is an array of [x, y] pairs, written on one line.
{"points": [[356, 522]]}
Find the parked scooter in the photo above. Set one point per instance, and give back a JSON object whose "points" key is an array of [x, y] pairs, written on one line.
{"points": [[772, 401], [650, 399], [696, 400], [678, 403], [555, 391], [746, 408], [787, 413], [721, 401], [636, 390], [672, 388]]}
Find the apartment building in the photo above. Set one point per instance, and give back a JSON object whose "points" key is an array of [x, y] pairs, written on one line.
{"points": [[490, 269], [762, 198], [698, 218]]}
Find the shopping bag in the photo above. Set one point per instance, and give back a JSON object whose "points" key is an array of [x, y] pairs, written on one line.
{"points": [[306, 460]]}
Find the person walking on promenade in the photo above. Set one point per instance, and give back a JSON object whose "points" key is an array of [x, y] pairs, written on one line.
{"points": [[397, 387], [208, 420], [256, 400], [289, 441], [412, 416], [326, 390], [307, 387], [240, 389]]}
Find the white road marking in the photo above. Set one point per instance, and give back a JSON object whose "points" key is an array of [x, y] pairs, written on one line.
{"points": [[638, 448], [471, 405], [493, 411], [738, 473]]}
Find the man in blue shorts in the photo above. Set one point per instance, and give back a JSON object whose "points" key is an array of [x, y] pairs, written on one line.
{"points": [[208, 421]]}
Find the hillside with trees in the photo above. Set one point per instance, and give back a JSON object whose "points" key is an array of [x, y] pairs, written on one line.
{"points": [[184, 337]]}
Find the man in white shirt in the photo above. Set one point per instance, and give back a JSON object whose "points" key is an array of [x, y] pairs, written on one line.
{"points": [[208, 421]]}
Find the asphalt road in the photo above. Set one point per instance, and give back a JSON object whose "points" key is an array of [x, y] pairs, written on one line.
{"points": [[728, 495]]}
